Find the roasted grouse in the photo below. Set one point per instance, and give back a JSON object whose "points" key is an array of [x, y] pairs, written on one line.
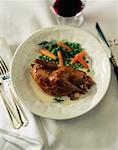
{"points": [[62, 81]]}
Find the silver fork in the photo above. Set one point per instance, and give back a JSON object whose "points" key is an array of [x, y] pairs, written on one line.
{"points": [[5, 76]]}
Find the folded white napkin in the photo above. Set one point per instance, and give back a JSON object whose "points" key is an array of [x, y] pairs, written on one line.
{"points": [[32, 137]]}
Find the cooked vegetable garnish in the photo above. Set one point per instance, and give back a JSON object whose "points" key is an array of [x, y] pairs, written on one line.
{"points": [[79, 57], [60, 43], [46, 52], [68, 50], [60, 57]]}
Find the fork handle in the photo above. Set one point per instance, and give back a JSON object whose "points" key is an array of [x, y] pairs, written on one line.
{"points": [[19, 109], [15, 123]]}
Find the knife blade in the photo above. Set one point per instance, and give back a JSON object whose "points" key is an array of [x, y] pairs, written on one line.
{"points": [[107, 48]]}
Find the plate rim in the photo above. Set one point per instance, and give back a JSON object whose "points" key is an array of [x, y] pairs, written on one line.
{"points": [[51, 117]]}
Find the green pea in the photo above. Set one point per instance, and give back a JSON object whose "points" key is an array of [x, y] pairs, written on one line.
{"points": [[81, 67], [52, 51], [56, 62], [40, 56], [44, 56], [50, 59], [88, 70]]}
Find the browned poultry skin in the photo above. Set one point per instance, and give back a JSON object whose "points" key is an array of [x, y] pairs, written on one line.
{"points": [[66, 73], [41, 77], [46, 65], [60, 82]]}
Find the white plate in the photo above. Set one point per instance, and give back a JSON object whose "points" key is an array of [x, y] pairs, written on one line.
{"points": [[34, 98]]}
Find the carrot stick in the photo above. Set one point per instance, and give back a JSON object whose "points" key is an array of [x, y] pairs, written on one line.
{"points": [[79, 57], [60, 43], [60, 58], [46, 52], [83, 62], [75, 59]]}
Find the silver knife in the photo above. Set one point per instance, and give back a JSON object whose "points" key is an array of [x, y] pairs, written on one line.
{"points": [[107, 48]]}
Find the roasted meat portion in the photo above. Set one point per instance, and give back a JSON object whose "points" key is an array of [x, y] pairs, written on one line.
{"points": [[46, 65], [77, 80], [62, 81]]}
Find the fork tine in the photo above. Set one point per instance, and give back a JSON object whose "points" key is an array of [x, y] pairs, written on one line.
{"points": [[3, 65], [1, 71]]}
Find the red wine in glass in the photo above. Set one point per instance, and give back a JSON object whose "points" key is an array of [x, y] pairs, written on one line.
{"points": [[68, 8]]}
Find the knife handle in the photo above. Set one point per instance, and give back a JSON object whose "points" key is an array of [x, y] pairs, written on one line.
{"points": [[112, 60]]}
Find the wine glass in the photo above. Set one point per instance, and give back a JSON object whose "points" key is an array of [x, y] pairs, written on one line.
{"points": [[68, 12]]}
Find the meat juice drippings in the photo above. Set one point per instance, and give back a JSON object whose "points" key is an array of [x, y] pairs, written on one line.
{"points": [[68, 8]]}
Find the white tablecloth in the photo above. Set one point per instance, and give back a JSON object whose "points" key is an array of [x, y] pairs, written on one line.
{"points": [[98, 129]]}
